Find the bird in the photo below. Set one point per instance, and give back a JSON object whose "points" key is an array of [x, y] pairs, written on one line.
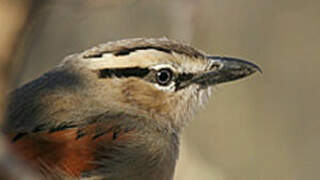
{"points": [[115, 111]]}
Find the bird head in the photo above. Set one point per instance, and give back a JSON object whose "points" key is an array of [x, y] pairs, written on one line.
{"points": [[158, 78]]}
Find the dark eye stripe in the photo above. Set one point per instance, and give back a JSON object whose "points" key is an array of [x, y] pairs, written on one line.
{"points": [[184, 77], [123, 72], [181, 80]]}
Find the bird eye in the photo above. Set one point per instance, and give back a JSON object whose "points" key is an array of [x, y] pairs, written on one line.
{"points": [[164, 76]]}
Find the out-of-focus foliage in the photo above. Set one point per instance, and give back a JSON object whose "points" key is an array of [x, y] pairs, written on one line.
{"points": [[266, 127]]}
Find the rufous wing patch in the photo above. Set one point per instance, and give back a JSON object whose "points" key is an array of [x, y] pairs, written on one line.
{"points": [[70, 151]]}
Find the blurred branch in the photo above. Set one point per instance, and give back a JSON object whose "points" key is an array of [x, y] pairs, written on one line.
{"points": [[16, 18], [20, 22], [34, 22]]}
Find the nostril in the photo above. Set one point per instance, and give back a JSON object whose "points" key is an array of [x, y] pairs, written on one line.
{"points": [[214, 66]]}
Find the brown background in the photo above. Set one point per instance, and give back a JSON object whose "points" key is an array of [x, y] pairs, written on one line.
{"points": [[263, 128]]}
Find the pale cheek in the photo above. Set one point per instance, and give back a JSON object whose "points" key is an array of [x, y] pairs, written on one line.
{"points": [[145, 96]]}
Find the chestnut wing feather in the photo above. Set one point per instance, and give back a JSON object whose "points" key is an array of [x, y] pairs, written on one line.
{"points": [[71, 151]]}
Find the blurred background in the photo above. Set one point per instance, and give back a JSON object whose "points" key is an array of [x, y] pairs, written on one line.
{"points": [[265, 127]]}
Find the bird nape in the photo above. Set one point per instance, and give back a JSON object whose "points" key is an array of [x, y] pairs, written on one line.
{"points": [[115, 111]]}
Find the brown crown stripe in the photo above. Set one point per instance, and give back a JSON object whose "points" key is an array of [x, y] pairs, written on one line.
{"points": [[125, 47]]}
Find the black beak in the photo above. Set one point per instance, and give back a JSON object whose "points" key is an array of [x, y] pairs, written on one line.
{"points": [[225, 69]]}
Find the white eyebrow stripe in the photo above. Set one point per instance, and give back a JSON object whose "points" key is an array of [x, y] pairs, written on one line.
{"points": [[134, 59], [150, 58], [163, 66]]}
